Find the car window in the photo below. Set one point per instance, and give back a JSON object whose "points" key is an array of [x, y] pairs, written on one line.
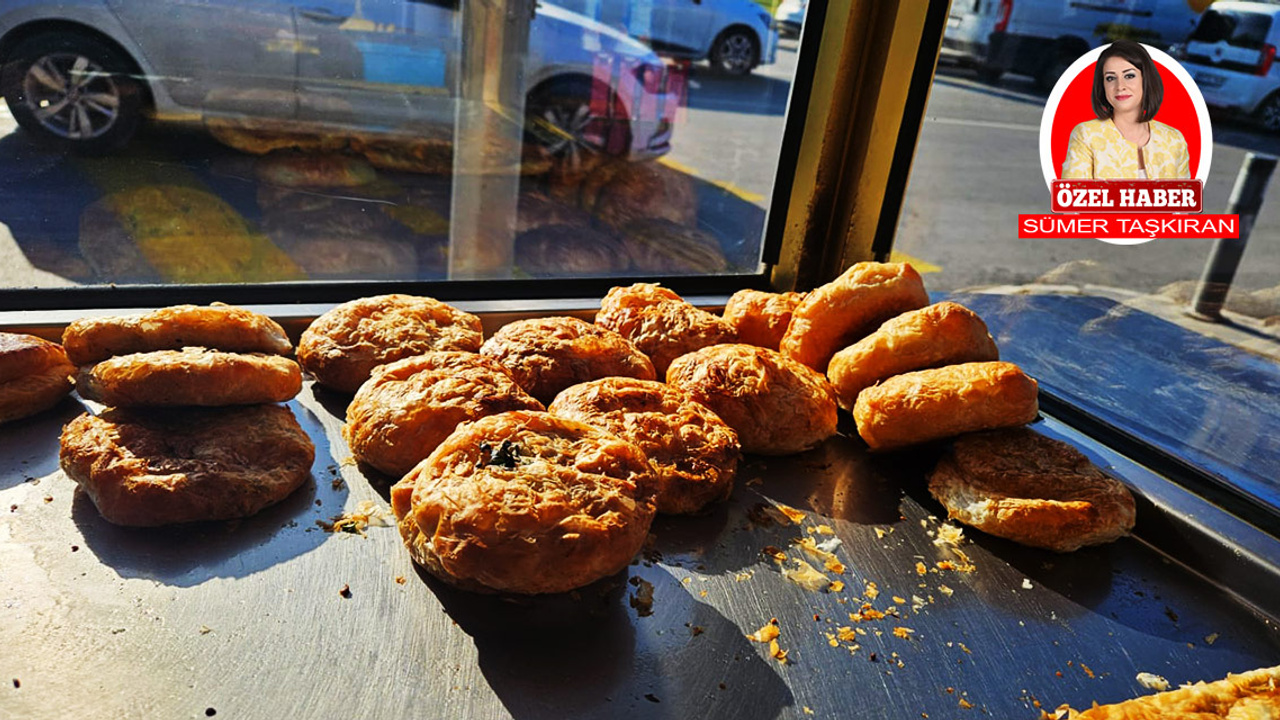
{"points": [[220, 141], [1248, 30]]}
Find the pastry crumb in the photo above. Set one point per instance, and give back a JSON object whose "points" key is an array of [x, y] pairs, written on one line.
{"points": [[1151, 681]]}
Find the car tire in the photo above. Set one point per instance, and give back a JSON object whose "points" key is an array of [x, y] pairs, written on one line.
{"points": [[989, 74], [73, 91], [735, 52], [1268, 113], [561, 118]]}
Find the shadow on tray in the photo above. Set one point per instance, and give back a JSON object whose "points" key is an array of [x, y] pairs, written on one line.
{"points": [[188, 555]]}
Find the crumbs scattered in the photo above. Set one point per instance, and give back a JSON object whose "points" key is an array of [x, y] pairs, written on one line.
{"points": [[400, 580], [806, 576], [1211, 639], [345, 592], [903, 632], [642, 598], [1087, 671], [872, 591], [337, 483], [966, 704], [949, 534], [1151, 681], [367, 514], [1026, 584], [766, 633], [205, 629]]}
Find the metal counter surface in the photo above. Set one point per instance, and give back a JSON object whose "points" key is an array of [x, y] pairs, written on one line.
{"points": [[248, 619]]}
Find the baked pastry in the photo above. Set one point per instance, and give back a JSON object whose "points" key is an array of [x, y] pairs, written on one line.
{"points": [[218, 326], [777, 405], [547, 355], [343, 345], [569, 251], [761, 318], [838, 314], [525, 502], [660, 322], [694, 453], [258, 136], [430, 152], [408, 407], [941, 402], [332, 170], [34, 375], [161, 467], [191, 376], [1243, 696], [642, 190], [941, 334], [658, 245], [1020, 485], [347, 257]]}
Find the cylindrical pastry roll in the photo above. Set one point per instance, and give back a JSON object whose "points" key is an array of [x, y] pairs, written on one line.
{"points": [[932, 404]]}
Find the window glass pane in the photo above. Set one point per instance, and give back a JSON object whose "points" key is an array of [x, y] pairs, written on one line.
{"points": [[1107, 326], [212, 141]]}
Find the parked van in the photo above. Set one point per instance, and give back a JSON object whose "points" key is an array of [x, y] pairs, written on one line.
{"points": [[1041, 38], [1232, 56]]}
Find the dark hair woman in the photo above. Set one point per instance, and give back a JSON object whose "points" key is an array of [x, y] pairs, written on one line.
{"points": [[1125, 141]]}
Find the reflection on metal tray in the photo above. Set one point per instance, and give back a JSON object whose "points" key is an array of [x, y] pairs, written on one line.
{"points": [[252, 619]]}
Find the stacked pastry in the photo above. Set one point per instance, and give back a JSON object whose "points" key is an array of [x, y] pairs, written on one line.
{"points": [[192, 428], [34, 375]]}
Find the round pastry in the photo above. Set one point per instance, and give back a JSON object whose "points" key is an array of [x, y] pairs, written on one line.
{"points": [[1020, 485], [218, 326], [941, 334], [941, 402], [183, 465], [408, 407], [191, 376], [599, 176], [292, 169], [657, 245], [569, 251], [838, 314], [537, 210], [641, 190], [430, 154], [693, 452], [547, 355], [343, 345], [34, 375], [525, 502], [776, 405], [761, 318], [660, 322], [257, 136]]}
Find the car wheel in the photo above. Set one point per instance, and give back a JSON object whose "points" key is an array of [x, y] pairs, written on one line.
{"points": [[1268, 114], [566, 119], [73, 91], [989, 74], [735, 52]]}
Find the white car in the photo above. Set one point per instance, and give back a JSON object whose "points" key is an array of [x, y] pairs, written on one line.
{"points": [[789, 17], [1231, 55], [735, 36], [83, 72]]}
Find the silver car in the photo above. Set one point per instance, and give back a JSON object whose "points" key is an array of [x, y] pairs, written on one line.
{"points": [[84, 72]]}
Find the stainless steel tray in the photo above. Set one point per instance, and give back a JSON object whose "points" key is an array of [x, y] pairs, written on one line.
{"points": [[249, 619]]}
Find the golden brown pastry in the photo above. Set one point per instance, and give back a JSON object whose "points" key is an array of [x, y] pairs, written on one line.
{"points": [[191, 376], [660, 322], [643, 190], [1020, 485], [694, 453], [408, 407], [430, 153], [218, 326], [547, 355], [184, 465], [343, 345], [761, 318], [593, 184], [838, 314], [941, 402], [293, 169], [525, 502], [941, 334], [569, 251], [34, 375], [259, 137], [1246, 696], [776, 405], [658, 245]]}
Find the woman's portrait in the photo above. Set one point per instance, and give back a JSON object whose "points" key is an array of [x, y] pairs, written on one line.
{"points": [[1125, 141]]}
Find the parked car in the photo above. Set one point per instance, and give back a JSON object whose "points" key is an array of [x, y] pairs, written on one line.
{"points": [[1041, 38], [735, 36], [84, 72], [1231, 55], [789, 17]]}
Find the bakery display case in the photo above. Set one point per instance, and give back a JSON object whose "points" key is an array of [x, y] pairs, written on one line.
{"points": [[524, 162]]}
